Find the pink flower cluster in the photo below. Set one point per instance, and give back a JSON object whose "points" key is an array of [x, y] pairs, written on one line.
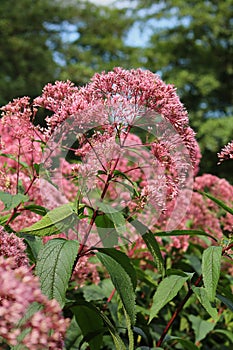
{"points": [[226, 152], [20, 151], [207, 215], [14, 247], [104, 116], [203, 214], [19, 289]]}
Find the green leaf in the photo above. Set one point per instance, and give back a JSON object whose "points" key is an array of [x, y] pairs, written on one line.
{"points": [[106, 230], [116, 338], [122, 276], [166, 291], [93, 292], [177, 272], [3, 219], [218, 201], [36, 166], [227, 333], [91, 323], [147, 348], [201, 327], [10, 156], [91, 337], [54, 267], [211, 263], [11, 201], [73, 335], [153, 247], [201, 294], [184, 233], [226, 300], [132, 189], [34, 245], [53, 222], [100, 292], [130, 330], [123, 260], [38, 209], [151, 243], [115, 216], [186, 344]]}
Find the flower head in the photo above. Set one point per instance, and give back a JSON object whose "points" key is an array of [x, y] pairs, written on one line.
{"points": [[226, 152]]}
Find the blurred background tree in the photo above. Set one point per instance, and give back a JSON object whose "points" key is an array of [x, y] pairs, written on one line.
{"points": [[99, 43], [191, 47], [45, 40], [29, 33], [189, 43]]}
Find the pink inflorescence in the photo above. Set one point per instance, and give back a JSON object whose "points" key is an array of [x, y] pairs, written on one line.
{"points": [[111, 105], [226, 152], [19, 289], [20, 152], [14, 247]]}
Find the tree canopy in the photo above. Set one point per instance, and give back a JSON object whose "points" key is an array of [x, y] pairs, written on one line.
{"points": [[192, 48], [189, 45], [45, 40]]}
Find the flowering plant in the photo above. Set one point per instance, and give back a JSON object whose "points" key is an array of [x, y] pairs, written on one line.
{"points": [[100, 210]]}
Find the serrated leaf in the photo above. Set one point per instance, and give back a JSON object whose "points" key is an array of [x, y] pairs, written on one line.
{"points": [[11, 201], [201, 294], [211, 263], [54, 267], [53, 222], [201, 327], [218, 201], [130, 330], [151, 243], [123, 260], [121, 278], [166, 291]]}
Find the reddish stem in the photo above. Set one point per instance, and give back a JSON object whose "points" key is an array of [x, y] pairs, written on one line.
{"points": [[95, 213]]}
